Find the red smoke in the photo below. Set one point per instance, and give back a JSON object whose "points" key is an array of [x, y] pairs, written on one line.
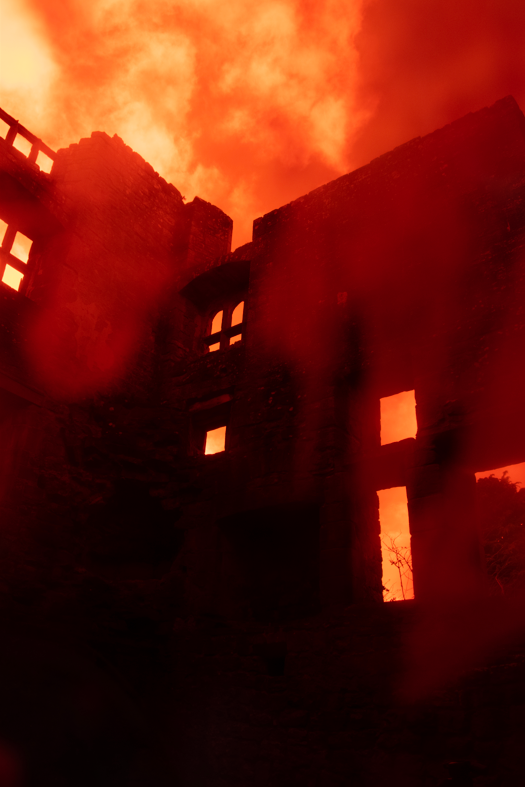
{"points": [[423, 65], [250, 105]]}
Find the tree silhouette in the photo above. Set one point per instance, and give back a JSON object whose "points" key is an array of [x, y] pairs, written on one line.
{"points": [[401, 558], [501, 507]]}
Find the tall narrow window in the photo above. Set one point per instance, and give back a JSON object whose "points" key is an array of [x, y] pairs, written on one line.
{"points": [[395, 544], [216, 325], [237, 316], [398, 417]]}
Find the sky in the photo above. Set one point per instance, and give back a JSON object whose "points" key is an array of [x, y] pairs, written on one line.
{"points": [[252, 105]]}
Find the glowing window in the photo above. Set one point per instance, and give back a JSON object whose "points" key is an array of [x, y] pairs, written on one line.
{"points": [[215, 440], [398, 417], [237, 317], [216, 323], [3, 229], [237, 314], [226, 328], [12, 277], [22, 144], [21, 247], [395, 544], [44, 161]]}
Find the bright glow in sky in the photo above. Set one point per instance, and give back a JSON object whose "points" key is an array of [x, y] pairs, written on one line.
{"points": [[230, 103], [252, 105], [27, 67]]}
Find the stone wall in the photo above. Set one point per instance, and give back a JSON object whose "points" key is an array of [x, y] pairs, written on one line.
{"points": [[199, 579]]}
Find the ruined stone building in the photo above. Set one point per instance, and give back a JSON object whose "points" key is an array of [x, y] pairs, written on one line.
{"points": [[132, 338]]}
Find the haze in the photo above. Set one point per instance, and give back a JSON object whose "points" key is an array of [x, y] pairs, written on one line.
{"points": [[251, 105]]}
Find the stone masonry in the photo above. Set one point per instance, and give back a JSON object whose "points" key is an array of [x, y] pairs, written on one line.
{"points": [[172, 617]]}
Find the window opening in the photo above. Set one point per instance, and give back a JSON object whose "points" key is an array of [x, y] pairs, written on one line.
{"points": [[396, 552], [4, 128], [216, 323], [209, 426], [18, 246], [398, 417], [215, 332], [21, 247], [12, 277], [44, 161], [516, 473], [22, 144], [215, 440], [237, 314], [237, 317]]}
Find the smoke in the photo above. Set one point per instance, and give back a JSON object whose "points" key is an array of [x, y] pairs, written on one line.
{"points": [[423, 65], [251, 105], [247, 105]]}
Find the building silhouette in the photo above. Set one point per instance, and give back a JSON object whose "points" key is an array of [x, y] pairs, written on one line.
{"points": [[192, 454]]}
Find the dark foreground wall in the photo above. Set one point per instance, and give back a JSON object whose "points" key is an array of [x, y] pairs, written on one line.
{"points": [[313, 704], [335, 717]]}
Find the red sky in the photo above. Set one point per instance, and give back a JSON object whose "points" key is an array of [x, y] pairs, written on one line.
{"points": [[251, 105]]}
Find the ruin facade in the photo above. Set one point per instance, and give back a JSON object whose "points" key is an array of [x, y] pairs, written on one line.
{"points": [[407, 274]]}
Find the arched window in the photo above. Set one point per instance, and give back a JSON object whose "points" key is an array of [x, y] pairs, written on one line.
{"points": [[237, 315], [225, 327], [216, 325], [219, 296]]}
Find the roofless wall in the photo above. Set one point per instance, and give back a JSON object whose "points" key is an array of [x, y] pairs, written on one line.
{"points": [[404, 275]]}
